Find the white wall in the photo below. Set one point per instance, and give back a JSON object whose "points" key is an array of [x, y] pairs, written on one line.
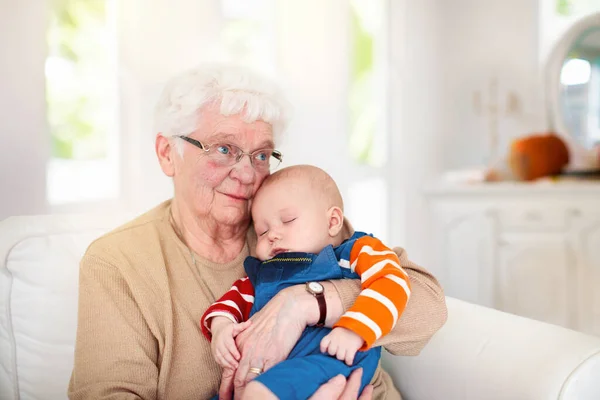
{"points": [[444, 54], [482, 41], [509, 40], [416, 51], [24, 144]]}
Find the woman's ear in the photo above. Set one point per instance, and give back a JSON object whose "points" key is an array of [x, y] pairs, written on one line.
{"points": [[164, 152], [335, 215]]}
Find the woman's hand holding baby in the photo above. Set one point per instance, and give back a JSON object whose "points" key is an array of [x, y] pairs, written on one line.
{"points": [[224, 349], [342, 343]]}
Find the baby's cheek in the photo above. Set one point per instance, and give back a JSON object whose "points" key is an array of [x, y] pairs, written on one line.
{"points": [[261, 249]]}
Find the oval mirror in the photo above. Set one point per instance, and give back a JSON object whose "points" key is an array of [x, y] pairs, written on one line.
{"points": [[574, 83]]}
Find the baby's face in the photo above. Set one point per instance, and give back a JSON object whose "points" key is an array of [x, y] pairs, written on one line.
{"points": [[288, 218]]}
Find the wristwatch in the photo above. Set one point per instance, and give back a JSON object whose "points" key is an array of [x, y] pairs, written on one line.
{"points": [[317, 290]]}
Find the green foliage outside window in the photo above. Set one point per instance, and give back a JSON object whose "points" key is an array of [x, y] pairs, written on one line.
{"points": [[563, 7], [361, 103], [569, 8], [79, 79]]}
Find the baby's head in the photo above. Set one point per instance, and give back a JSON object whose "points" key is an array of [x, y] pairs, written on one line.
{"points": [[297, 208]]}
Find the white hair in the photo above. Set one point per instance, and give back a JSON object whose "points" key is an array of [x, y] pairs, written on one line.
{"points": [[238, 89]]}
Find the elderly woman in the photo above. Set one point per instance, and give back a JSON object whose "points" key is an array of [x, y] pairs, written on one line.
{"points": [[145, 285]]}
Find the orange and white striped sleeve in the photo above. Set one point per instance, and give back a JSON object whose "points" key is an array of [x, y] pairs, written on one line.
{"points": [[385, 291]]}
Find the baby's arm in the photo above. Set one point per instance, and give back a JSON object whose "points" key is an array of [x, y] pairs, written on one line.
{"points": [[234, 305], [221, 322], [385, 293]]}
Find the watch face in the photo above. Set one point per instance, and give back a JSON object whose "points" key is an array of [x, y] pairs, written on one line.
{"points": [[316, 287]]}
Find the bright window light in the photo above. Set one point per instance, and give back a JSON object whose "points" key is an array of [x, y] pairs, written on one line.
{"points": [[367, 86], [248, 33], [82, 102], [575, 72], [367, 207]]}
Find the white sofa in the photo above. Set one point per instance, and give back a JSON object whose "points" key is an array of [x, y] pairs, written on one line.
{"points": [[479, 354]]}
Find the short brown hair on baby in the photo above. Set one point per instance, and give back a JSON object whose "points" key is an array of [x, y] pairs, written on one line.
{"points": [[320, 182]]}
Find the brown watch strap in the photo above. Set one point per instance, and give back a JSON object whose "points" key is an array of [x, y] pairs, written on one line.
{"points": [[322, 309]]}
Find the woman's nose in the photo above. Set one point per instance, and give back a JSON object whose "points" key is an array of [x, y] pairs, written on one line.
{"points": [[244, 171]]}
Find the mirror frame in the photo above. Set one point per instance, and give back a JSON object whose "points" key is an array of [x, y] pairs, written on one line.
{"points": [[553, 68]]}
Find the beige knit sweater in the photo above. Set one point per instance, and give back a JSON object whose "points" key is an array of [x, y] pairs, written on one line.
{"points": [[141, 299]]}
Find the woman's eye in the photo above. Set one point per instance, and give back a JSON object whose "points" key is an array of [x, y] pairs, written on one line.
{"points": [[224, 149], [264, 233], [261, 157], [288, 221]]}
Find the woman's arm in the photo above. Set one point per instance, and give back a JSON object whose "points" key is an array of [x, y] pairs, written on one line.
{"points": [[115, 352]]}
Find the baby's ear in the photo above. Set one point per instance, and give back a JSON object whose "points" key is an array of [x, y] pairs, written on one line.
{"points": [[335, 217]]}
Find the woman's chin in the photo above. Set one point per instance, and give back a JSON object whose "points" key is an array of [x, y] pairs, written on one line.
{"points": [[233, 216]]}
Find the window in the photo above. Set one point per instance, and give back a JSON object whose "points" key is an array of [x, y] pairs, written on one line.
{"points": [[82, 101]]}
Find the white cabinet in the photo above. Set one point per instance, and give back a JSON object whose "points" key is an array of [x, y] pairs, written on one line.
{"points": [[531, 250], [534, 279], [464, 246], [589, 241]]}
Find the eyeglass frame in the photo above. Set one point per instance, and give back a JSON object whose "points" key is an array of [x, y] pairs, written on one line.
{"points": [[206, 147]]}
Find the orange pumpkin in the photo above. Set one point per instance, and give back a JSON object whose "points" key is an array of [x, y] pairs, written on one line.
{"points": [[537, 156]]}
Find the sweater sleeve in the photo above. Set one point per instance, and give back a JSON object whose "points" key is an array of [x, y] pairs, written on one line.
{"points": [[385, 291], [424, 315], [235, 304], [116, 354]]}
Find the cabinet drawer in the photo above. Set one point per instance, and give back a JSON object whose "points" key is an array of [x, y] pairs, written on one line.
{"points": [[536, 219]]}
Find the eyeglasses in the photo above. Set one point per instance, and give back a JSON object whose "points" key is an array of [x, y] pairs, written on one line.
{"points": [[226, 155]]}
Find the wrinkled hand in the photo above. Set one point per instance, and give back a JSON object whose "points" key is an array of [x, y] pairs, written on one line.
{"points": [[226, 388], [272, 335], [342, 344], [341, 389], [224, 349]]}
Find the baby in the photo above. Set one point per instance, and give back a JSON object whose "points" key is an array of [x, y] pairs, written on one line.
{"points": [[298, 218]]}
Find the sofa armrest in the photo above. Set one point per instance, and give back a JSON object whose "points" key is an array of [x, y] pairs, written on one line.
{"points": [[483, 353]]}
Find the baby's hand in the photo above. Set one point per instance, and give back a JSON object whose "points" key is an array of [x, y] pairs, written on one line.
{"points": [[223, 345], [342, 343]]}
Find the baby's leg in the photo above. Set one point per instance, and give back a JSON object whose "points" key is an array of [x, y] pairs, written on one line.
{"points": [[298, 378]]}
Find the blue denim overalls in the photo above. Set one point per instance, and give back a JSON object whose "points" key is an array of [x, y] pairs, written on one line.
{"points": [[306, 368]]}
